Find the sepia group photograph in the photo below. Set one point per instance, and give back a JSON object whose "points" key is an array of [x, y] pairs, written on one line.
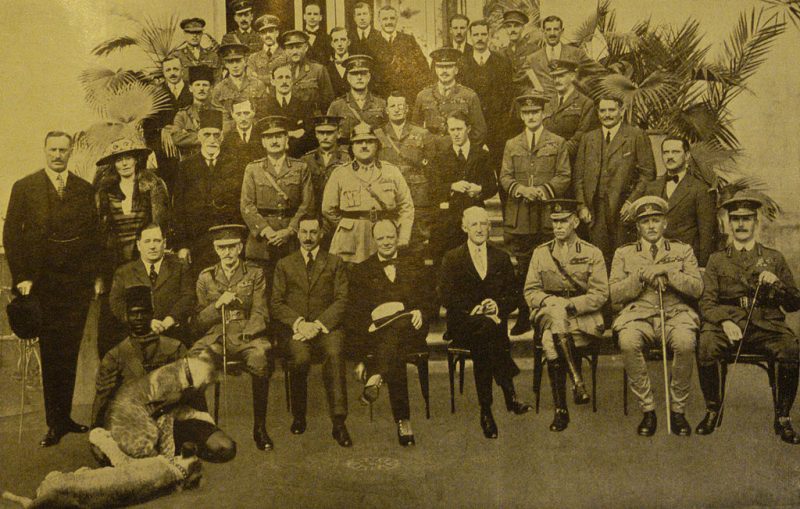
{"points": [[399, 254]]}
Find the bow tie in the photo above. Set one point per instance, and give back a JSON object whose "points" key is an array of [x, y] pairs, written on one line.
{"points": [[673, 178], [386, 263]]}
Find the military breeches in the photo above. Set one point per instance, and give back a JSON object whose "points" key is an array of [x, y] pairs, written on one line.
{"points": [[554, 320], [253, 352], [635, 336], [714, 344], [333, 371]]}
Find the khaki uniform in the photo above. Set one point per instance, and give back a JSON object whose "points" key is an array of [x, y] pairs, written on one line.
{"points": [[571, 119], [250, 39], [226, 93], [246, 317], [518, 55], [312, 84], [203, 56], [638, 323], [431, 110], [260, 63], [583, 263], [373, 112], [321, 171], [356, 197]]}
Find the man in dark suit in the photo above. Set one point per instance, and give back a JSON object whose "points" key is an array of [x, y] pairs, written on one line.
{"points": [[478, 288], [206, 193], [569, 114], [364, 39], [51, 239], [458, 34], [319, 43], [309, 299], [340, 42], [612, 168], [692, 212], [242, 141], [283, 102], [390, 319], [463, 179], [168, 276]]}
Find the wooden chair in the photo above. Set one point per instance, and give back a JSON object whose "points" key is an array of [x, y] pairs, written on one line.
{"points": [[420, 360], [760, 360], [456, 355], [235, 368], [590, 352]]}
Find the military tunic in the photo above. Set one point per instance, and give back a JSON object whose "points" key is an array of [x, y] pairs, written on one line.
{"points": [[571, 119], [373, 112], [357, 196], [261, 63], [587, 291], [247, 316], [518, 54], [263, 205], [250, 39], [431, 109], [227, 92], [638, 323], [321, 171], [312, 84], [203, 56]]}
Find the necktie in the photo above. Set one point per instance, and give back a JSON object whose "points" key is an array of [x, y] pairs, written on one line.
{"points": [[153, 274], [560, 100], [309, 263], [461, 157], [533, 142], [672, 178], [387, 263], [480, 266], [653, 250], [283, 102], [608, 137], [211, 163], [60, 185]]}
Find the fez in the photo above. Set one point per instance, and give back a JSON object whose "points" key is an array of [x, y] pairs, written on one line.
{"points": [[201, 73]]}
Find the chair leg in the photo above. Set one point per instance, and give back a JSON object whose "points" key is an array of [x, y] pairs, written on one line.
{"points": [[451, 367], [593, 363], [370, 412], [462, 361], [424, 384], [538, 366], [216, 402], [772, 372], [624, 391], [287, 385]]}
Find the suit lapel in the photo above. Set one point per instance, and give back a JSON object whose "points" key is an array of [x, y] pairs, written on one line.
{"points": [[319, 265], [163, 275], [680, 192], [469, 266], [618, 142], [140, 272]]}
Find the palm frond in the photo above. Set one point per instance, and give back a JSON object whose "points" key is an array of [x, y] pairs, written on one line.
{"points": [[753, 185], [134, 102], [748, 45], [655, 93], [113, 44], [99, 83], [787, 9], [158, 37], [712, 160], [586, 30]]}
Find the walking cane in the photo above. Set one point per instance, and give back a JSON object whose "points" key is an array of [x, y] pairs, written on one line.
{"points": [[741, 342], [664, 353], [23, 352], [224, 360]]}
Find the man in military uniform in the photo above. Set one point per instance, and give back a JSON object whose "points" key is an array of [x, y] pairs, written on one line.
{"points": [[732, 278], [359, 105], [640, 271], [311, 80], [276, 193], [238, 85], [535, 168], [234, 291], [187, 120], [260, 62], [569, 114], [192, 53], [436, 101], [361, 193], [519, 48], [566, 287], [411, 149], [322, 160], [244, 34]]}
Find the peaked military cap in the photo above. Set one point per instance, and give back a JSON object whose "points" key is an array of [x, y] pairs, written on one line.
{"points": [[201, 73], [292, 36], [273, 124], [227, 234], [563, 66], [139, 296], [210, 118], [361, 132], [266, 21], [445, 56], [326, 122], [743, 204], [232, 48], [241, 6], [561, 208], [193, 25], [531, 101], [515, 16], [358, 63], [649, 206]]}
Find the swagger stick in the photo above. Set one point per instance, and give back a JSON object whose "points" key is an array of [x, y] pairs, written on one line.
{"points": [[664, 354], [224, 360]]}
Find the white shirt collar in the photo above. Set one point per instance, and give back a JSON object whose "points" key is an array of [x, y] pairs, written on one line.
{"points": [[246, 134], [553, 52], [340, 62], [381, 258], [148, 264], [680, 174], [614, 130], [538, 133], [461, 47], [464, 148], [208, 156], [280, 97], [177, 88], [365, 31], [473, 248], [481, 57], [52, 175], [305, 252], [389, 37], [749, 246]]}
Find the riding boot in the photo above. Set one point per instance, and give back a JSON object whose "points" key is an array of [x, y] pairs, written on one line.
{"points": [[260, 386], [710, 384], [558, 385], [566, 347], [787, 390]]}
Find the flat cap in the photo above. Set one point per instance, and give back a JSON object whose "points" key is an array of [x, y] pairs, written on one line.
{"points": [[227, 234], [266, 21], [193, 25], [273, 124], [743, 203], [201, 73], [515, 16], [647, 206]]}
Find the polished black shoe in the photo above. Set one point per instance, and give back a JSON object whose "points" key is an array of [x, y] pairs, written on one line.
{"points": [[518, 407], [560, 420], [341, 435], [647, 428], [783, 427], [73, 427], [298, 426], [263, 441], [679, 424], [405, 435], [522, 326], [52, 437], [580, 396], [708, 424], [488, 425]]}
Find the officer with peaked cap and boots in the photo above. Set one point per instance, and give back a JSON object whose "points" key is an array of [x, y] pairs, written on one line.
{"points": [[234, 291], [238, 85], [192, 53], [519, 48], [566, 288], [732, 278], [638, 271], [359, 104]]}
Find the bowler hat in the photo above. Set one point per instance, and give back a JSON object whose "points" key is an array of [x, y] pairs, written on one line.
{"points": [[386, 313], [122, 147], [25, 316]]}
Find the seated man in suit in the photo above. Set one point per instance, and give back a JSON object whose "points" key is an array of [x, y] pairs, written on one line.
{"points": [[477, 287], [566, 287], [142, 352], [173, 297], [309, 297], [235, 291], [390, 319], [640, 273], [692, 213]]}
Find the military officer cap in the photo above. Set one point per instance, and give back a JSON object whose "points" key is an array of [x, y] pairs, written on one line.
{"points": [[445, 56], [273, 124], [242, 6], [210, 118], [232, 49], [292, 37], [358, 63], [533, 101], [362, 132], [559, 67], [515, 16], [562, 208], [266, 21], [326, 122], [743, 204], [123, 147], [227, 234], [139, 296], [201, 73], [649, 206], [193, 25]]}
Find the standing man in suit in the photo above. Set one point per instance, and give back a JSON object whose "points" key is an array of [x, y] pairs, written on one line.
{"points": [[319, 43], [390, 319], [537, 65], [569, 114], [359, 104], [639, 270], [519, 48], [477, 287], [261, 61], [399, 60], [310, 79], [692, 213], [52, 239], [284, 102], [166, 274], [463, 179], [322, 160], [612, 169], [242, 141], [244, 33], [238, 85], [535, 168], [363, 38], [187, 120], [340, 43], [458, 34], [309, 300]]}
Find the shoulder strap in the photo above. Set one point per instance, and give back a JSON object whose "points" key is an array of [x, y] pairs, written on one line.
{"points": [[563, 271], [275, 185]]}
